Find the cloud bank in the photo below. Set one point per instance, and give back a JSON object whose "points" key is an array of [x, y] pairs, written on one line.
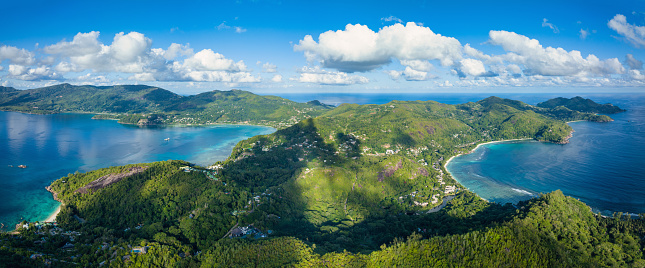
{"points": [[130, 53], [360, 49], [402, 52]]}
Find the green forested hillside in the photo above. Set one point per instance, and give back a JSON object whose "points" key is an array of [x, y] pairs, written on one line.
{"points": [[146, 105], [69, 98], [581, 105], [4, 90], [359, 186]]}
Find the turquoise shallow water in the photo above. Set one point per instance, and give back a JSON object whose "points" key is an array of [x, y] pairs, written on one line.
{"points": [[603, 165], [52, 146]]}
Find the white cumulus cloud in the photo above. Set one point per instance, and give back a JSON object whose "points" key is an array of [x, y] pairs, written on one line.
{"points": [[277, 78], [549, 61], [411, 74], [132, 53], [636, 75], [129, 48], [415, 70], [128, 53], [419, 65], [359, 49], [269, 68], [144, 77], [472, 67], [33, 74], [222, 76], [446, 84], [630, 32], [208, 60], [82, 44], [16, 70], [92, 79], [319, 76], [174, 51], [394, 74], [16, 55]]}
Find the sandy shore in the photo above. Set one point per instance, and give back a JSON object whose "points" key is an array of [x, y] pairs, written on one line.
{"points": [[52, 217], [471, 151]]}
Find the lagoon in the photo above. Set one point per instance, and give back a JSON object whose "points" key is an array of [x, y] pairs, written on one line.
{"points": [[52, 146]]}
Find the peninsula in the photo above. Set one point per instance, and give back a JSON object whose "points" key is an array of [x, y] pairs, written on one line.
{"points": [[146, 105]]}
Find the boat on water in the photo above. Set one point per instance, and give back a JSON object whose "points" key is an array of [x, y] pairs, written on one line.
{"points": [[167, 139], [22, 166]]}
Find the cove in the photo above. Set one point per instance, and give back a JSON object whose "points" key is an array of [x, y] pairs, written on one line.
{"points": [[52, 146], [603, 166]]}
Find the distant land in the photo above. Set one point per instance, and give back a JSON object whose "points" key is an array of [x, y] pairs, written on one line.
{"points": [[355, 186], [582, 105], [146, 105]]}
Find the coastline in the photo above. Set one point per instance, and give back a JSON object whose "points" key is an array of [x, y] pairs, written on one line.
{"points": [[52, 217], [156, 125], [566, 140], [445, 165]]}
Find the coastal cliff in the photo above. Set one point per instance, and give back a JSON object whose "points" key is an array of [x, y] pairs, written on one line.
{"points": [[54, 194]]}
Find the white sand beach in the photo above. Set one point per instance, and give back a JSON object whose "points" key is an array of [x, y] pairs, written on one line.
{"points": [[446, 164], [52, 217]]}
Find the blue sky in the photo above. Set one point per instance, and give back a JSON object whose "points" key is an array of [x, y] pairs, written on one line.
{"points": [[327, 46]]}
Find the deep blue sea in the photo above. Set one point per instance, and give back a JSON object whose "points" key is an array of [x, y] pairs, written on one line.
{"points": [[603, 165], [52, 146]]}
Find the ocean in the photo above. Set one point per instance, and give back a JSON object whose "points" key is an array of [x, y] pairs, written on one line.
{"points": [[603, 165], [53, 146]]}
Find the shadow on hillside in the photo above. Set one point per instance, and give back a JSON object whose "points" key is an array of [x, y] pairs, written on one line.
{"points": [[330, 225], [269, 167], [372, 232]]}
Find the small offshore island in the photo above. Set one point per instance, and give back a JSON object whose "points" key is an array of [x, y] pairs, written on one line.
{"points": [[354, 185]]}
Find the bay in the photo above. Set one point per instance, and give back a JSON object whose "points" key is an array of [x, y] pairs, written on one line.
{"points": [[603, 165], [52, 146]]}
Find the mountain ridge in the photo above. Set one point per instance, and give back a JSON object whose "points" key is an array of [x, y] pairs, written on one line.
{"points": [[147, 105], [355, 186], [581, 105]]}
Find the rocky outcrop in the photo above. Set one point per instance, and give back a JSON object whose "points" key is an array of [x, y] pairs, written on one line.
{"points": [[106, 180], [389, 171], [566, 139], [54, 194]]}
